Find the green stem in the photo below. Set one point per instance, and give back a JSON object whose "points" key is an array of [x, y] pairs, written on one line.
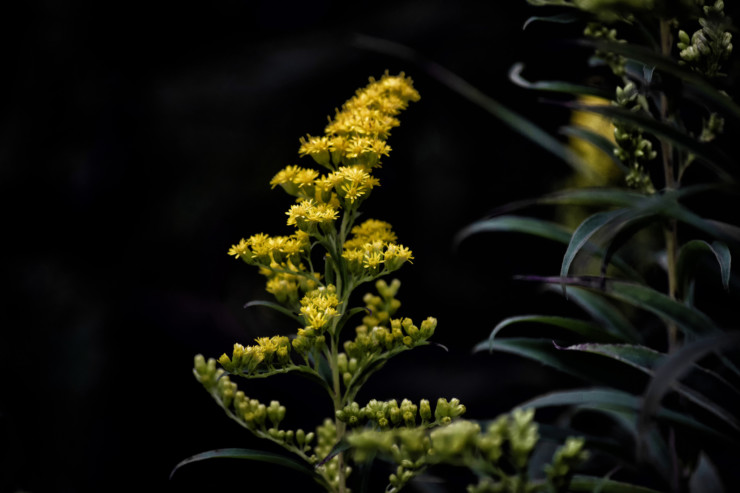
{"points": [[670, 231]]}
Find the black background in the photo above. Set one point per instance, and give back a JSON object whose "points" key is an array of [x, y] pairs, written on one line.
{"points": [[137, 143]]}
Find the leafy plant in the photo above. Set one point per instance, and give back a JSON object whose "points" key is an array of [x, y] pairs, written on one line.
{"points": [[634, 244], [313, 274]]}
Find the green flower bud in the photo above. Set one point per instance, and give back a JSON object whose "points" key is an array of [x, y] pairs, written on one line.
{"points": [[425, 410]]}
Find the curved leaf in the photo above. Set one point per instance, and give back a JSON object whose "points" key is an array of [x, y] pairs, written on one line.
{"points": [[689, 320], [694, 84], [276, 307], [255, 455], [709, 155], [603, 399], [612, 319], [688, 258], [582, 327], [565, 18], [535, 227], [595, 139], [585, 231], [677, 364], [591, 483], [515, 75]]}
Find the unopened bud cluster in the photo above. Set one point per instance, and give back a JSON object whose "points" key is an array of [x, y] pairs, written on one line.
{"points": [[600, 32], [633, 149], [706, 49], [388, 414]]}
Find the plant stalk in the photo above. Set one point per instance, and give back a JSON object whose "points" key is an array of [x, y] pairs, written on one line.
{"points": [[670, 230]]}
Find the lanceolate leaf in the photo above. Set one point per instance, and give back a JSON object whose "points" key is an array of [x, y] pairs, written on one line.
{"points": [[566, 18], [515, 75], [255, 455], [590, 330], [535, 227], [602, 311], [709, 155], [597, 140], [690, 321], [591, 484], [601, 399], [694, 83], [677, 364], [688, 258], [276, 307], [585, 231]]}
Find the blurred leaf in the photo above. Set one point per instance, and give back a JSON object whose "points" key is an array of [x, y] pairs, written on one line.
{"points": [[595, 139], [694, 84], [276, 307], [255, 455], [459, 85], [705, 477], [677, 364], [585, 231], [543, 351], [689, 320], [515, 75], [605, 399], [688, 258], [709, 155], [602, 311], [535, 227], [591, 484], [640, 357], [565, 18], [587, 329]]}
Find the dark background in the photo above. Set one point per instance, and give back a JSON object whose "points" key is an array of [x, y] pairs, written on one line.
{"points": [[137, 144]]}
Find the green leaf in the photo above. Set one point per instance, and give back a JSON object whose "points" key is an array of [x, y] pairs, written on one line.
{"points": [[689, 320], [544, 352], [595, 139], [566, 18], [515, 75], [255, 455], [584, 328], [276, 307], [601, 310], [591, 483], [460, 86], [709, 155], [605, 399], [689, 256], [694, 84], [516, 224], [585, 231], [677, 364], [535, 227], [640, 357]]}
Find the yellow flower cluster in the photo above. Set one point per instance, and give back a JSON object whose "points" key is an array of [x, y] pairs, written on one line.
{"points": [[371, 249], [318, 309], [357, 133], [269, 352]]}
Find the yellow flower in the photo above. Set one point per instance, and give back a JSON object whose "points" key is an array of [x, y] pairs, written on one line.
{"points": [[317, 148], [240, 250]]}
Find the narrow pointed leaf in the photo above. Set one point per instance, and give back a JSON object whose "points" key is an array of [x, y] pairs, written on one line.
{"points": [[591, 483], [515, 75], [276, 307], [690, 321], [566, 18], [254, 455], [677, 364], [601, 310], [595, 139], [584, 232], [709, 155], [604, 399], [705, 477], [593, 331], [689, 256]]}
